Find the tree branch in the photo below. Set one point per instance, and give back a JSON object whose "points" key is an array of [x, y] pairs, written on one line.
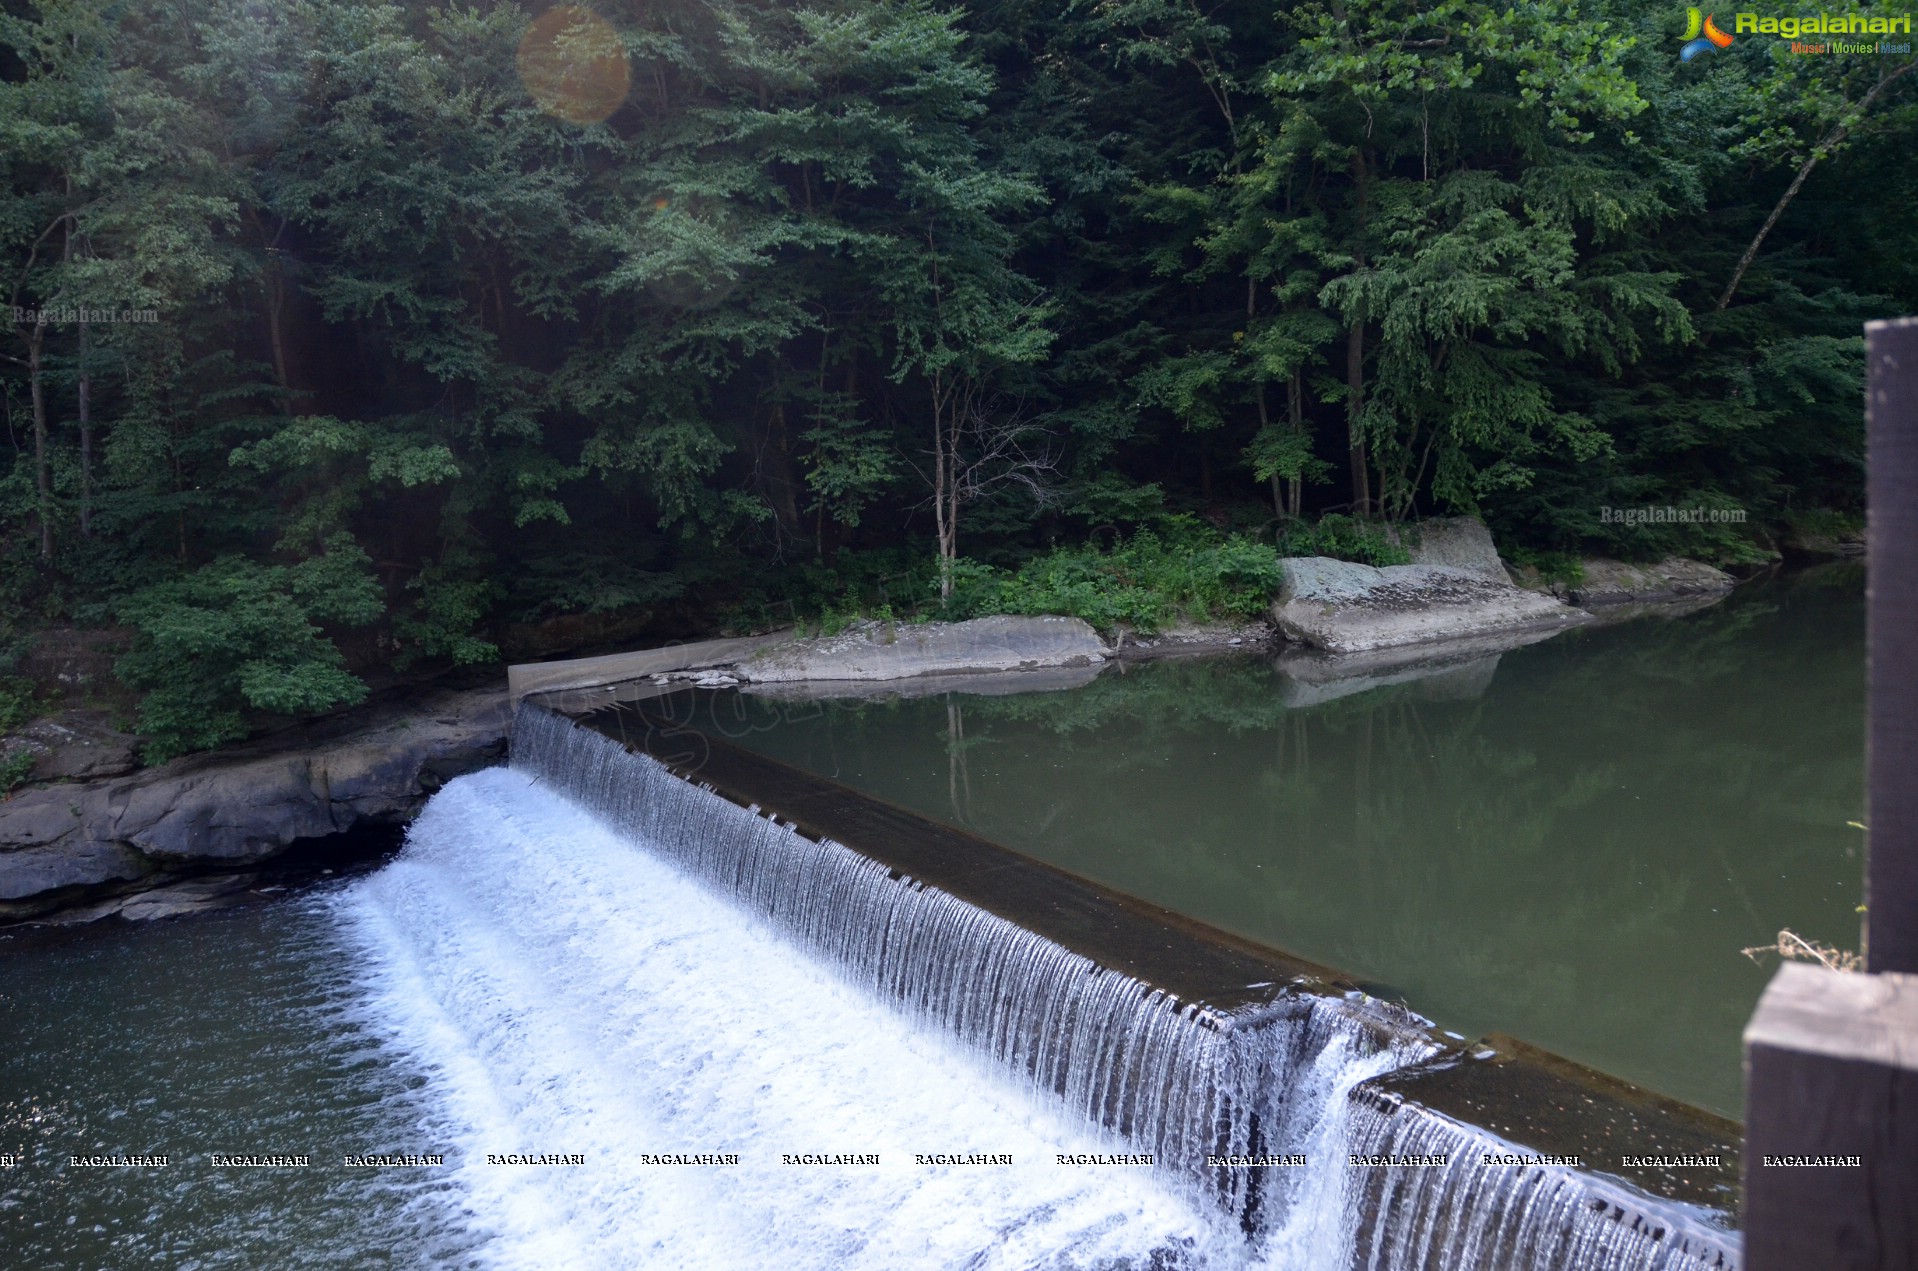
{"points": [[1831, 140]]}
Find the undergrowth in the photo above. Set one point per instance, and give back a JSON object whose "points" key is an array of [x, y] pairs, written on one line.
{"points": [[1179, 569], [1143, 583]]}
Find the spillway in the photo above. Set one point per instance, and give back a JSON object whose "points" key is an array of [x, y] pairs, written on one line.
{"points": [[604, 953]]}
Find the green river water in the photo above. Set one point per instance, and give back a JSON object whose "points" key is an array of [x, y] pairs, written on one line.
{"points": [[1572, 846]]}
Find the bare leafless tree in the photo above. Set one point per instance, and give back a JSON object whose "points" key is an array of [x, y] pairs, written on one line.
{"points": [[983, 441]]}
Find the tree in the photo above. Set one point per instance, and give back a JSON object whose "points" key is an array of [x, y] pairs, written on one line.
{"points": [[1467, 275], [1806, 109]]}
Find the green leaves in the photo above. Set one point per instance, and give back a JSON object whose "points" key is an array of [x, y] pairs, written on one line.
{"points": [[235, 636], [1286, 454], [1153, 579]]}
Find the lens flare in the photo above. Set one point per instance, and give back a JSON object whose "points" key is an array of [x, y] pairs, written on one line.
{"points": [[574, 64]]}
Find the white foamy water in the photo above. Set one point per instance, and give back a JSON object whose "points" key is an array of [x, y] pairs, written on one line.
{"points": [[571, 993]]}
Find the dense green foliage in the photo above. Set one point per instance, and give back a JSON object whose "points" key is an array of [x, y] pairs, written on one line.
{"points": [[234, 634], [351, 328], [1141, 584]]}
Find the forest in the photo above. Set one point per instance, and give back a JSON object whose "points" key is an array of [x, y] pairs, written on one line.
{"points": [[351, 340]]}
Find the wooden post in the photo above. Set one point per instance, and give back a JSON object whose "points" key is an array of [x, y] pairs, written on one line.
{"points": [[1831, 1058], [1832, 1063], [1891, 739]]}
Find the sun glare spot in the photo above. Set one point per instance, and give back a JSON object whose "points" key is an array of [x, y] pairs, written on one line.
{"points": [[574, 64]]}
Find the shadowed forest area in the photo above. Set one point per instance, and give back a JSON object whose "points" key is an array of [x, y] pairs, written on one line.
{"points": [[351, 340]]}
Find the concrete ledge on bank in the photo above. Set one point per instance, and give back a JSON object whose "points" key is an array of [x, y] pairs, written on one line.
{"points": [[575, 673]]}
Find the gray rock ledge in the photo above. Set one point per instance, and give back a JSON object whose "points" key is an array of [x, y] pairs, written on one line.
{"points": [[238, 807], [1611, 582], [897, 651], [1342, 607]]}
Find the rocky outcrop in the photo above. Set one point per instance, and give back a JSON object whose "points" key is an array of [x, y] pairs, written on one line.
{"points": [[1611, 582], [1342, 607], [896, 651], [240, 807], [74, 745], [1455, 542]]}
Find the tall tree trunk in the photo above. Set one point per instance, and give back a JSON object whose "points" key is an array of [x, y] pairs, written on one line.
{"points": [[85, 391], [781, 482], [275, 300], [1355, 355], [42, 460], [273, 283], [1778, 210], [945, 513], [83, 388], [1295, 415], [1278, 498], [1354, 404]]}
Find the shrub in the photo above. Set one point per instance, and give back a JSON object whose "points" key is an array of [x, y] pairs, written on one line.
{"points": [[15, 768], [17, 704], [235, 635], [1342, 538], [1184, 570]]}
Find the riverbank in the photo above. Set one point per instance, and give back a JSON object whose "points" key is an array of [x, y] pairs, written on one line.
{"points": [[113, 839], [90, 843]]}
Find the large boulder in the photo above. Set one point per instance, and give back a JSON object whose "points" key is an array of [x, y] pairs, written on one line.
{"points": [[244, 806], [897, 651], [1455, 542], [1611, 582], [1343, 607]]}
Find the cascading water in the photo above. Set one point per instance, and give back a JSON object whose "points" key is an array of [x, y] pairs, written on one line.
{"points": [[573, 994], [1514, 1218], [569, 996], [1177, 1082]]}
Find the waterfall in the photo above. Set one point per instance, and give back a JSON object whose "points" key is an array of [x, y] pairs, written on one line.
{"points": [[1514, 1218], [563, 944], [1178, 1081], [568, 992]]}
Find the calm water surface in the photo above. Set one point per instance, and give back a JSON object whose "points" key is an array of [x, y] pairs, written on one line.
{"points": [[1571, 847]]}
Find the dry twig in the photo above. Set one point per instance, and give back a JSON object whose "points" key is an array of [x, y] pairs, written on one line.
{"points": [[1792, 945]]}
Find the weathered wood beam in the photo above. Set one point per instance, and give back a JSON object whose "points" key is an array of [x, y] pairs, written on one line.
{"points": [[1891, 740], [1831, 1058], [1831, 1061]]}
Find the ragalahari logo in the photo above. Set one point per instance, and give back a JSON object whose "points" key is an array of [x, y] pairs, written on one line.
{"points": [[1700, 35]]}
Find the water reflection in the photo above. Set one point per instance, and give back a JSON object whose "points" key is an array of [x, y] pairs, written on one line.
{"points": [[1570, 842]]}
